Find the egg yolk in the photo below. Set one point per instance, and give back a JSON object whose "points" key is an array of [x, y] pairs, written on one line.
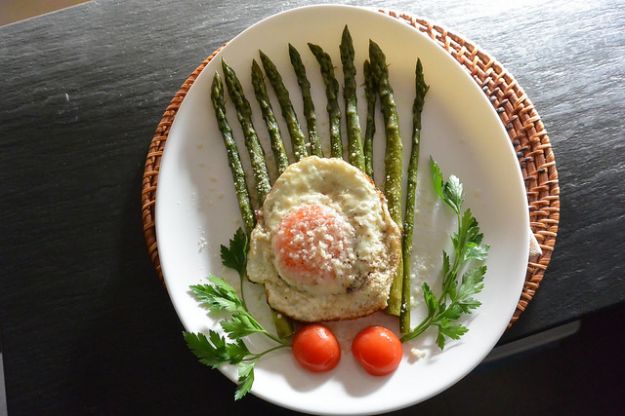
{"points": [[314, 246]]}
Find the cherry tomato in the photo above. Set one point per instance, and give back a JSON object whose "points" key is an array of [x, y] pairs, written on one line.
{"points": [[316, 349], [378, 350]]}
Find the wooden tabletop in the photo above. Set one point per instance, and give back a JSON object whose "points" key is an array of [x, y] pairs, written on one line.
{"points": [[87, 327]]}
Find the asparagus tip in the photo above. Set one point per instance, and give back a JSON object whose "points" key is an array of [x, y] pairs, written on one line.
{"points": [[374, 48], [293, 53], [224, 65]]}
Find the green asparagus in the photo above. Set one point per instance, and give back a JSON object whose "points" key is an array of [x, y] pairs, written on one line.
{"points": [[309, 106], [354, 139], [257, 158], [244, 114], [392, 159], [417, 107], [371, 94], [238, 175], [277, 146], [332, 91], [298, 141]]}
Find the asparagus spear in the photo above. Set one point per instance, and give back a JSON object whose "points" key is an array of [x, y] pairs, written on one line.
{"points": [[297, 136], [354, 139], [371, 93], [238, 175], [277, 146], [417, 107], [332, 91], [392, 159], [244, 114], [257, 158], [309, 106]]}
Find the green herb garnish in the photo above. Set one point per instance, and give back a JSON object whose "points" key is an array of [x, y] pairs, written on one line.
{"points": [[235, 257], [216, 350], [463, 272]]}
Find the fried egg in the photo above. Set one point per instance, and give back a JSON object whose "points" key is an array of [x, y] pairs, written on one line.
{"points": [[325, 246]]}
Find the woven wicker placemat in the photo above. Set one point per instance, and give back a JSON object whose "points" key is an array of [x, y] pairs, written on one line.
{"points": [[522, 122]]}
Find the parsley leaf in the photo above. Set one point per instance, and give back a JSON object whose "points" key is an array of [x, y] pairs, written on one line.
{"points": [[430, 300], [218, 297], [475, 251], [448, 330], [241, 325], [214, 350], [449, 313], [246, 378], [463, 270], [472, 283], [452, 193], [235, 255], [437, 178]]}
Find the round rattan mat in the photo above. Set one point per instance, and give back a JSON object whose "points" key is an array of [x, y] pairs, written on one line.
{"points": [[522, 122]]}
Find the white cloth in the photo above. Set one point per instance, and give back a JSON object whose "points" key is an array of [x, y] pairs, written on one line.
{"points": [[534, 246]]}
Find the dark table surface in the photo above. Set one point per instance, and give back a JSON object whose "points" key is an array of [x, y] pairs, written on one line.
{"points": [[86, 326]]}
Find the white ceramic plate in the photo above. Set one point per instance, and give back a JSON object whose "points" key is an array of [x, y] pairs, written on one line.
{"points": [[196, 209]]}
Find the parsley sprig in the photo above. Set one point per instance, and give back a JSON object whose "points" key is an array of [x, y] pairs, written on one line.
{"points": [[463, 271], [216, 350]]}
